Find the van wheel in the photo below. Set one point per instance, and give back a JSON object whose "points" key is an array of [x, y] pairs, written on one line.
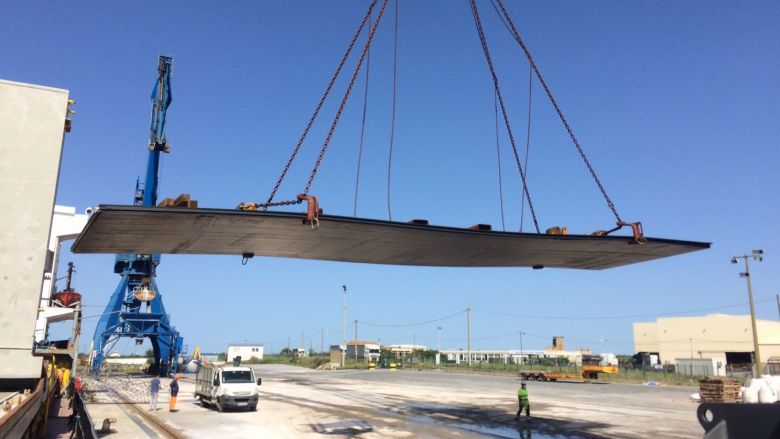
{"points": [[253, 408], [202, 401], [219, 406]]}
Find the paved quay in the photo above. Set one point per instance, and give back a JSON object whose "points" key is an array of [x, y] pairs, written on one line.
{"points": [[299, 402]]}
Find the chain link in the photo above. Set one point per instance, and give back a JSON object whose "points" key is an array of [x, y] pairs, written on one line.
{"points": [[519, 40], [497, 87], [345, 98], [319, 105], [254, 207]]}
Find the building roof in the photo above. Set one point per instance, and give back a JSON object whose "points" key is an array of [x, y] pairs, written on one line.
{"points": [[360, 343]]}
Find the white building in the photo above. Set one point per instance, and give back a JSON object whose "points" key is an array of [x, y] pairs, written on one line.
{"points": [[402, 350], [245, 351], [510, 356]]}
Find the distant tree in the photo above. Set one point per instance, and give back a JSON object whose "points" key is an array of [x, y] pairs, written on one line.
{"points": [[149, 353], [222, 356], [286, 352]]}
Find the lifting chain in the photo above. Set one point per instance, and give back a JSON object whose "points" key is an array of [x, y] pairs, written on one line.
{"points": [[520, 41], [328, 89], [345, 98], [254, 207], [497, 87]]}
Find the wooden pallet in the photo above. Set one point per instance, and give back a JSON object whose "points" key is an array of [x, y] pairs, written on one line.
{"points": [[719, 389]]}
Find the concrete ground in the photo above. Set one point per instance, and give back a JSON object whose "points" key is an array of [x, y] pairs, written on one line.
{"points": [[298, 402]]}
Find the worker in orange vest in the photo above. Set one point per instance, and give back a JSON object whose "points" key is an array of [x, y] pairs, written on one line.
{"points": [[174, 393]]}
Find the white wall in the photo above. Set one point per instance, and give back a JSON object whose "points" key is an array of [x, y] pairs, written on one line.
{"points": [[245, 352], [32, 120], [66, 225]]}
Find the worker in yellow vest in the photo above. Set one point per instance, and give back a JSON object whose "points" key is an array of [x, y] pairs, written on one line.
{"points": [[522, 399]]}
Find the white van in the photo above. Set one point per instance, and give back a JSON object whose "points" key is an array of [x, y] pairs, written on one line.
{"points": [[227, 387]]}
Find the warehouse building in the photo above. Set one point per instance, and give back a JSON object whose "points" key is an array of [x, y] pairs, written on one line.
{"points": [[716, 344]]}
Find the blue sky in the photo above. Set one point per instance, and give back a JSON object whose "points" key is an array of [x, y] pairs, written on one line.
{"points": [[676, 104]]}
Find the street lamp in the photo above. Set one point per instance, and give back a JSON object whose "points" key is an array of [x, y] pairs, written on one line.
{"points": [[344, 330], [757, 255], [438, 339]]}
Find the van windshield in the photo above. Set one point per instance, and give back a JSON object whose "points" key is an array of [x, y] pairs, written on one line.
{"points": [[237, 376]]}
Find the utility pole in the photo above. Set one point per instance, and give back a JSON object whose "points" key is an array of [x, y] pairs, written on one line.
{"points": [[322, 340], [468, 332], [344, 330], [438, 339], [356, 331], [778, 304], [691, 340], [521, 348], [414, 343], [757, 255], [303, 346]]}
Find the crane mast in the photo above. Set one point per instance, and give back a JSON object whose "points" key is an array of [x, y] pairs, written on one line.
{"points": [[135, 308]]}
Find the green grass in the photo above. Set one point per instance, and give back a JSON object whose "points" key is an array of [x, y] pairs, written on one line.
{"points": [[625, 376]]}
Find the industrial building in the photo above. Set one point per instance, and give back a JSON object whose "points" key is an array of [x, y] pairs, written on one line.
{"points": [[716, 344], [245, 351], [363, 350], [402, 350]]}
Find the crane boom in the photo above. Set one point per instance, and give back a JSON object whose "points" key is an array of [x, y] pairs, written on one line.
{"points": [[146, 195]]}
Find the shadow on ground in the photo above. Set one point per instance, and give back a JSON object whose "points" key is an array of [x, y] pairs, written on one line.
{"points": [[499, 422]]}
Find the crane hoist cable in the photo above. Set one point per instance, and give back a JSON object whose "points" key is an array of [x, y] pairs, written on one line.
{"points": [[527, 144], [362, 128], [392, 117], [507, 19], [317, 109], [498, 159], [497, 87]]}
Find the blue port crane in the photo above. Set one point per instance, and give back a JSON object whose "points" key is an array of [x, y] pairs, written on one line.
{"points": [[136, 309]]}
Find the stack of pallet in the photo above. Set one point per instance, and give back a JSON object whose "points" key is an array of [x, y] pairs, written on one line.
{"points": [[719, 389]]}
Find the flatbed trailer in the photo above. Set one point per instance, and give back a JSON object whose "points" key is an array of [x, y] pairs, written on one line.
{"points": [[587, 373]]}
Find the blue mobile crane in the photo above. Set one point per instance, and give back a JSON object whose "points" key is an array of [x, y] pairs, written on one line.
{"points": [[136, 308]]}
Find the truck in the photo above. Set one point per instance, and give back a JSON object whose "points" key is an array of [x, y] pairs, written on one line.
{"points": [[226, 387]]}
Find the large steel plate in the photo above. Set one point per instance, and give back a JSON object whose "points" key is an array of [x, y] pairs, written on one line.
{"points": [[133, 229]]}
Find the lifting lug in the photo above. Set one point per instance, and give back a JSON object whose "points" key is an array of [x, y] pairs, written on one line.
{"points": [[636, 228], [313, 210]]}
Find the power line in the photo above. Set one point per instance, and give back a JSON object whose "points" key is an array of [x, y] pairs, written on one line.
{"points": [[616, 317], [413, 324]]}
